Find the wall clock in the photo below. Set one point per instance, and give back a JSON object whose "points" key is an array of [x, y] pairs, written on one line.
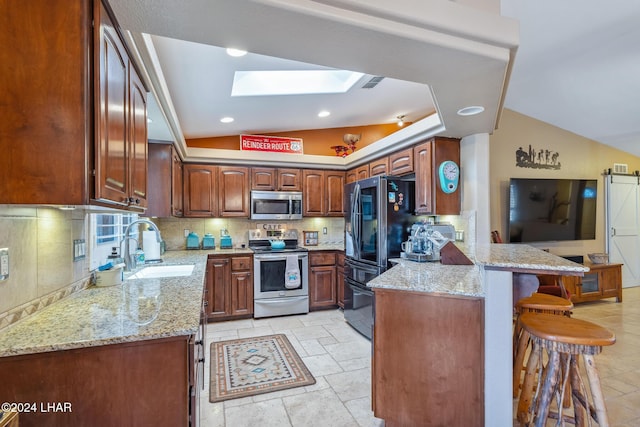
{"points": [[449, 173]]}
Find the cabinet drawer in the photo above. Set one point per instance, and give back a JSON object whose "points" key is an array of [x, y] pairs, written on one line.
{"points": [[241, 263], [322, 258]]}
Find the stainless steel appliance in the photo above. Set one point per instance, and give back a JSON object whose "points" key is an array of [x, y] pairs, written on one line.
{"points": [[276, 292], [378, 218], [276, 205]]}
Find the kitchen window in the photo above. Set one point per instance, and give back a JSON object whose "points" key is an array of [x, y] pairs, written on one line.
{"points": [[106, 231]]}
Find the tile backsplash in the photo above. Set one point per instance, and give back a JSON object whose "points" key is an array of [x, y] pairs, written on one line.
{"points": [[173, 229], [41, 266]]}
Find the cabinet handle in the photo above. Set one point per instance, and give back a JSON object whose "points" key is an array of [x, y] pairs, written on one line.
{"points": [[206, 303]]}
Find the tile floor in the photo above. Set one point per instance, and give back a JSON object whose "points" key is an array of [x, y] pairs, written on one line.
{"points": [[339, 359]]}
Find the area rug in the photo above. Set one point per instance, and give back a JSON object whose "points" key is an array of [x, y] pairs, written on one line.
{"points": [[250, 366]]}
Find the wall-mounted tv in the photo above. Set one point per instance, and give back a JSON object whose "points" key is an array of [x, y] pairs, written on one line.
{"points": [[544, 210]]}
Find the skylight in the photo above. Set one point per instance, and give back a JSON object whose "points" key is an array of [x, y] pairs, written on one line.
{"points": [[292, 82]]}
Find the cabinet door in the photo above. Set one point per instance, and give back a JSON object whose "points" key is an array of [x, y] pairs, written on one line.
{"points": [[340, 286], [234, 191], [362, 172], [422, 160], [160, 170], [445, 203], [263, 179], [322, 287], [176, 185], [200, 191], [334, 193], [401, 162], [241, 293], [379, 167], [218, 290], [289, 180], [610, 279], [313, 192], [112, 181], [351, 176], [138, 141]]}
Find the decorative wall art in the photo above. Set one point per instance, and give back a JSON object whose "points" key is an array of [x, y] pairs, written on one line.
{"points": [[542, 158]]}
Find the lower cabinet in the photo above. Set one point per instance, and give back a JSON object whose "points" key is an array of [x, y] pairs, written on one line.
{"points": [[428, 359], [229, 287], [143, 383], [322, 280], [340, 278]]}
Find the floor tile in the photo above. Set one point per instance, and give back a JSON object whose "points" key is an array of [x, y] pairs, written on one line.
{"points": [[318, 409], [269, 413]]}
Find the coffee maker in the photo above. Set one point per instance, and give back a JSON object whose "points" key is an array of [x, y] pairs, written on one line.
{"points": [[426, 240]]}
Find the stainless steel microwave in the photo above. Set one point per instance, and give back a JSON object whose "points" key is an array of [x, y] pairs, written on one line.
{"points": [[274, 205]]}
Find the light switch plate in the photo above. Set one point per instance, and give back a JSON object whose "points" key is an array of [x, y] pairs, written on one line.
{"points": [[79, 249], [4, 263]]}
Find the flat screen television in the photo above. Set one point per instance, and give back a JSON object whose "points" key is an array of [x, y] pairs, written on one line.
{"points": [[545, 210]]}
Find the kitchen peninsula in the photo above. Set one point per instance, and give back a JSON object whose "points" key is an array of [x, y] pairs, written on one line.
{"points": [[442, 336]]}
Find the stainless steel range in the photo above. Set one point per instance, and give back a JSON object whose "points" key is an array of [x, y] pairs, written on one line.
{"points": [[280, 266]]}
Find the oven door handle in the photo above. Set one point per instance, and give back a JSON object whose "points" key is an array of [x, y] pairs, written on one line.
{"points": [[279, 257]]}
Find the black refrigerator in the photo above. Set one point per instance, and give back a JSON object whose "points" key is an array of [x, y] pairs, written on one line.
{"points": [[378, 218]]}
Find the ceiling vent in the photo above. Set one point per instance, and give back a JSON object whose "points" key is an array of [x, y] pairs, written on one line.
{"points": [[373, 82], [620, 168]]}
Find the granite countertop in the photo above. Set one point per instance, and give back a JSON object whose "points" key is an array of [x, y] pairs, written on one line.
{"points": [[326, 247], [466, 279], [137, 310]]}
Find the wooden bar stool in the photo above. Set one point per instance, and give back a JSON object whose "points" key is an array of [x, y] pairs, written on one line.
{"points": [[564, 339], [536, 303]]}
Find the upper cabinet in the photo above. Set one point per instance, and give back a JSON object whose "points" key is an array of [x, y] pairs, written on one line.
{"points": [[322, 192], [401, 162], [73, 87], [379, 167], [276, 179], [165, 181], [216, 191], [431, 197]]}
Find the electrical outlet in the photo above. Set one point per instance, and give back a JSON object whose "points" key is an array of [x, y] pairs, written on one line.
{"points": [[79, 249], [186, 232], [4, 263], [324, 230]]}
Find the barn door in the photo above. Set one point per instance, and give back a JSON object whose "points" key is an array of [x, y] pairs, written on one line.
{"points": [[623, 226]]}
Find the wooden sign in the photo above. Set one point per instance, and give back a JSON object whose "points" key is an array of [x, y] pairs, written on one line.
{"points": [[273, 144]]}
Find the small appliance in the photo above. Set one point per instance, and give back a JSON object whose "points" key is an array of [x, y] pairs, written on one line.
{"points": [[426, 240], [276, 205]]}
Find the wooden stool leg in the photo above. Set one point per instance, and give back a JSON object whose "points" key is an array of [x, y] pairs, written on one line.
{"points": [[566, 371], [577, 389], [528, 385], [596, 390], [523, 344], [547, 390]]}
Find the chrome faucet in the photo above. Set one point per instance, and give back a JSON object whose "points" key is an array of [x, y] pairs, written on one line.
{"points": [[127, 252]]}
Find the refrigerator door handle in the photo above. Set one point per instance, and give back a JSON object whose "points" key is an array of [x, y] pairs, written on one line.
{"points": [[355, 220]]}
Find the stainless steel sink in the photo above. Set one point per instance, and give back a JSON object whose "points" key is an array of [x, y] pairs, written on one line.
{"points": [[158, 271]]}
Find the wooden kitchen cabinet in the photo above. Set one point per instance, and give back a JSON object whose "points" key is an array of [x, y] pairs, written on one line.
{"points": [[428, 359], [165, 181], [356, 174], [233, 191], [200, 191], [323, 192], [379, 167], [322, 280], [427, 157], [70, 86], [401, 162], [340, 279], [229, 287], [602, 281], [154, 382], [276, 179]]}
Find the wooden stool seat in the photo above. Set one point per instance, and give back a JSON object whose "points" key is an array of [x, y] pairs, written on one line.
{"points": [[536, 303], [543, 303], [565, 340], [566, 330]]}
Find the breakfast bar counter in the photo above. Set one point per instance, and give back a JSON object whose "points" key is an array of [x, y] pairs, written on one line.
{"points": [[470, 335]]}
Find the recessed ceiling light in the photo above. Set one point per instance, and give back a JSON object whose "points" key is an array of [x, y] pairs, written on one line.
{"points": [[226, 119], [236, 52], [470, 111], [324, 113], [292, 82]]}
